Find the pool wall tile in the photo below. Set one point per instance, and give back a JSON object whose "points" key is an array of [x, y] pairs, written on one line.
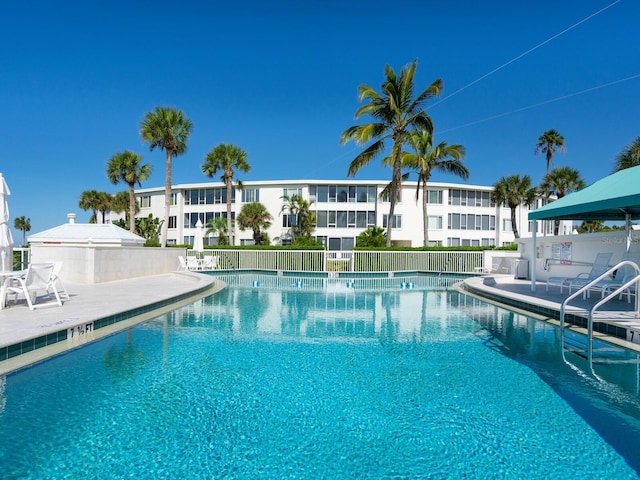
{"points": [[14, 350]]}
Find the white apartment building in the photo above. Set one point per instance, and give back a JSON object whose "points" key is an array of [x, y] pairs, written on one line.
{"points": [[458, 214]]}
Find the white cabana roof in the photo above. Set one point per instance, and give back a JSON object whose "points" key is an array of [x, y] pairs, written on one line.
{"points": [[86, 234]]}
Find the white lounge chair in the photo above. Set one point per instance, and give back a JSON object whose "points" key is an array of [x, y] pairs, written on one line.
{"points": [[182, 263], [208, 263], [621, 276], [193, 263], [599, 266], [55, 280], [38, 278]]}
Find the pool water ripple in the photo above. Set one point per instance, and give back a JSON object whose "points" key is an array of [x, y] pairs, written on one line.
{"points": [[220, 389]]}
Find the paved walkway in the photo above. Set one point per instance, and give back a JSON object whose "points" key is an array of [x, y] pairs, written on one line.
{"points": [[88, 303]]}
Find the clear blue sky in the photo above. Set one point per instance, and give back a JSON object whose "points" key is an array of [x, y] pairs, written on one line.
{"points": [[280, 79]]}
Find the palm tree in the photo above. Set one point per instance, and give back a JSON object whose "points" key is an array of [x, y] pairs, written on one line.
{"points": [[372, 237], [256, 217], [590, 226], [218, 227], [120, 204], [24, 225], [229, 159], [304, 220], [547, 144], [148, 227], [103, 205], [167, 129], [514, 191], [629, 157], [560, 182], [396, 112], [427, 158], [89, 201], [125, 167]]}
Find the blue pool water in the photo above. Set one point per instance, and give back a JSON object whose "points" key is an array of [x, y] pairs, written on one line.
{"points": [[324, 380]]}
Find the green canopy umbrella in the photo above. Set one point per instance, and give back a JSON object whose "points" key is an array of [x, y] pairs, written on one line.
{"points": [[616, 197]]}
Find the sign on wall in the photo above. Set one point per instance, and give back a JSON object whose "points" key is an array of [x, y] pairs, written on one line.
{"points": [[562, 252]]}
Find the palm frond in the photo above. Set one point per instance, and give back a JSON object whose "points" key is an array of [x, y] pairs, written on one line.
{"points": [[365, 157]]}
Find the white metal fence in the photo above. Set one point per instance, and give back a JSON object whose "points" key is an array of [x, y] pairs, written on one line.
{"points": [[345, 261]]}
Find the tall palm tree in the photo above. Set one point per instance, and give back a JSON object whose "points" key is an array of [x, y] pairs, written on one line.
{"points": [[168, 129], [629, 157], [103, 205], [427, 158], [560, 182], [514, 191], [228, 159], [89, 200], [548, 142], [126, 167], [120, 204], [24, 225], [395, 112], [256, 217]]}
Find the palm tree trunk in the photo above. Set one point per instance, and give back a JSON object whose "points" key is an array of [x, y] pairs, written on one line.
{"points": [[514, 226], [167, 200], [425, 217], [230, 233], [396, 183], [132, 208]]}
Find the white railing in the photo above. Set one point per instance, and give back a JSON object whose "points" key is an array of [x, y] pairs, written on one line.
{"points": [[408, 261], [346, 261]]}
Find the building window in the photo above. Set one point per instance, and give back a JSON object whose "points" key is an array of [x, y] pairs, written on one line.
{"points": [[397, 221], [453, 242], [434, 197], [145, 201], [434, 222], [208, 196], [506, 225], [173, 221], [331, 223], [289, 192], [321, 219], [174, 199], [288, 221], [250, 195]]}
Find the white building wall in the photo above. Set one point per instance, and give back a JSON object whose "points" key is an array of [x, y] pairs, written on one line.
{"points": [[409, 209]]}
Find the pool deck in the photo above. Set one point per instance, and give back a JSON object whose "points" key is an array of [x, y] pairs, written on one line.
{"points": [[545, 305], [127, 302]]}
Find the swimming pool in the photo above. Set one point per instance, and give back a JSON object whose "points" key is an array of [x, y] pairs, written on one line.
{"points": [[323, 380]]}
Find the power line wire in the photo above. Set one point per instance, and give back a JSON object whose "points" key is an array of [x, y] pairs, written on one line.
{"points": [[493, 117], [525, 53]]}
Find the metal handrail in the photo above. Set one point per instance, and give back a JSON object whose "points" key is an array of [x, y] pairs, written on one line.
{"points": [[598, 304]]}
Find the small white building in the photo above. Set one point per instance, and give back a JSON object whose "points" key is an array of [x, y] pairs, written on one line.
{"points": [[95, 253], [458, 214]]}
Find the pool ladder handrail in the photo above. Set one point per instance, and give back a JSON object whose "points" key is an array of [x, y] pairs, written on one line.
{"points": [[591, 312]]}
